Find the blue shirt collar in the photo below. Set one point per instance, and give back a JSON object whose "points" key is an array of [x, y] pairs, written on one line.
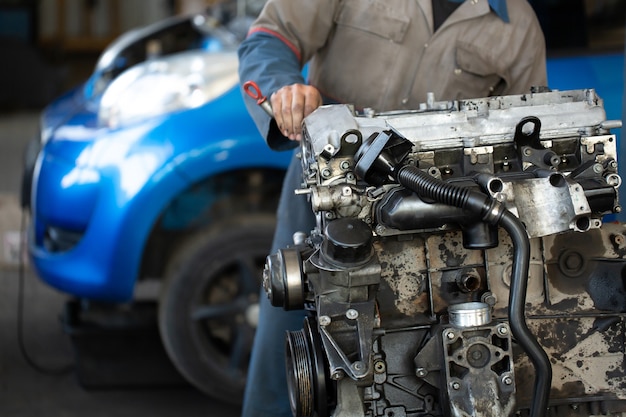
{"points": [[498, 6]]}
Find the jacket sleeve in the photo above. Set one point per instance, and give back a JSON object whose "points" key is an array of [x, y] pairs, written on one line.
{"points": [[285, 36], [268, 61]]}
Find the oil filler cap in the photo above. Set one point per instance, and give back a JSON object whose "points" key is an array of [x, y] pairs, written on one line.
{"points": [[348, 241]]}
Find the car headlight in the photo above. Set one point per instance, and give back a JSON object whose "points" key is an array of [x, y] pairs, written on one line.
{"points": [[159, 86]]}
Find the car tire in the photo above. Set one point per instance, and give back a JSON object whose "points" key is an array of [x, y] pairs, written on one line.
{"points": [[209, 303]]}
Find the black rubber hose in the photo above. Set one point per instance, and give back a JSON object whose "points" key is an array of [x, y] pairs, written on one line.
{"points": [[517, 318], [430, 187], [427, 186]]}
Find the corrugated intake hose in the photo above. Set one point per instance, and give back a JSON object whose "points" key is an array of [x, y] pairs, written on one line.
{"points": [[490, 211]]}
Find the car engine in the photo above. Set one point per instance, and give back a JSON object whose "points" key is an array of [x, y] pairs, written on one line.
{"points": [[464, 261]]}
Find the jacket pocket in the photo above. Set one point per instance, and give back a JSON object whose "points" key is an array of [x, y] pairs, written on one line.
{"points": [[375, 17], [477, 66]]}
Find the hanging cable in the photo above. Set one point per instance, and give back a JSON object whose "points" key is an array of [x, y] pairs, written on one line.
{"points": [[61, 370]]}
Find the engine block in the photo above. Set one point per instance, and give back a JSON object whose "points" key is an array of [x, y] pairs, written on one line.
{"points": [[424, 297]]}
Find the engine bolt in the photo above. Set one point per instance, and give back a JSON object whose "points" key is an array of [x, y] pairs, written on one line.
{"points": [[455, 386], [358, 366], [345, 165], [503, 330], [450, 334], [555, 160], [324, 320], [597, 168], [337, 375], [379, 367], [507, 380], [326, 173], [352, 314], [421, 372], [489, 298]]}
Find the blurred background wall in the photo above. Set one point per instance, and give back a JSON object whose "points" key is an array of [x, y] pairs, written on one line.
{"points": [[48, 46]]}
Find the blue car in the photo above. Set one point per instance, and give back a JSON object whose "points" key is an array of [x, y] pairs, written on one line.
{"points": [[151, 173]]}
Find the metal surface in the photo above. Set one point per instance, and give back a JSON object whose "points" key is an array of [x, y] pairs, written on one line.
{"points": [[472, 314], [425, 326]]}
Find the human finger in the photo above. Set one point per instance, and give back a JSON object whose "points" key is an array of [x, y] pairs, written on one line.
{"points": [[291, 105], [309, 99]]}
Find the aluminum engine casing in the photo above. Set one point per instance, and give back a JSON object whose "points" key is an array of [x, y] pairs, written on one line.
{"points": [[383, 267]]}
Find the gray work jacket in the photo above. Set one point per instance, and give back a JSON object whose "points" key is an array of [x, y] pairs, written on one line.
{"points": [[384, 54]]}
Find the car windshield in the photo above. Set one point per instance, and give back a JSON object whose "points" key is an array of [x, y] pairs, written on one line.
{"points": [[222, 27], [162, 38]]}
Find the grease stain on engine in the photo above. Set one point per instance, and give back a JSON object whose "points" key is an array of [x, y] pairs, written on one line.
{"points": [[404, 271]]}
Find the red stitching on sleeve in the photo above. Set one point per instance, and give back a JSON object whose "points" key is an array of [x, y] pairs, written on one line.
{"points": [[280, 37]]}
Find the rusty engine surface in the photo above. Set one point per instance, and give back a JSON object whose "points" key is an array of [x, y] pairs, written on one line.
{"points": [[460, 265]]}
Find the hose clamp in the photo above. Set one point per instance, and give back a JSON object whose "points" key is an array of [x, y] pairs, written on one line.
{"points": [[494, 213]]}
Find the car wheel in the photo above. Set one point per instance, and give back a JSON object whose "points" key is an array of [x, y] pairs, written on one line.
{"points": [[208, 308]]}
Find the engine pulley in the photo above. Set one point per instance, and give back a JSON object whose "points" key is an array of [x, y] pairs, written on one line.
{"points": [[306, 372]]}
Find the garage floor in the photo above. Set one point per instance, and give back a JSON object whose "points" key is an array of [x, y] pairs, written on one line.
{"points": [[25, 391]]}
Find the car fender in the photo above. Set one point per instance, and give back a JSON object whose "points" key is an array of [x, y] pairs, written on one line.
{"points": [[240, 148]]}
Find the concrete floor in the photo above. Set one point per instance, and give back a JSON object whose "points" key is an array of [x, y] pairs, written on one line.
{"points": [[25, 391]]}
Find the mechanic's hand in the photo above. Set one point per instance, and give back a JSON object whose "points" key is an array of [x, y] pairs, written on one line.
{"points": [[291, 104]]}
